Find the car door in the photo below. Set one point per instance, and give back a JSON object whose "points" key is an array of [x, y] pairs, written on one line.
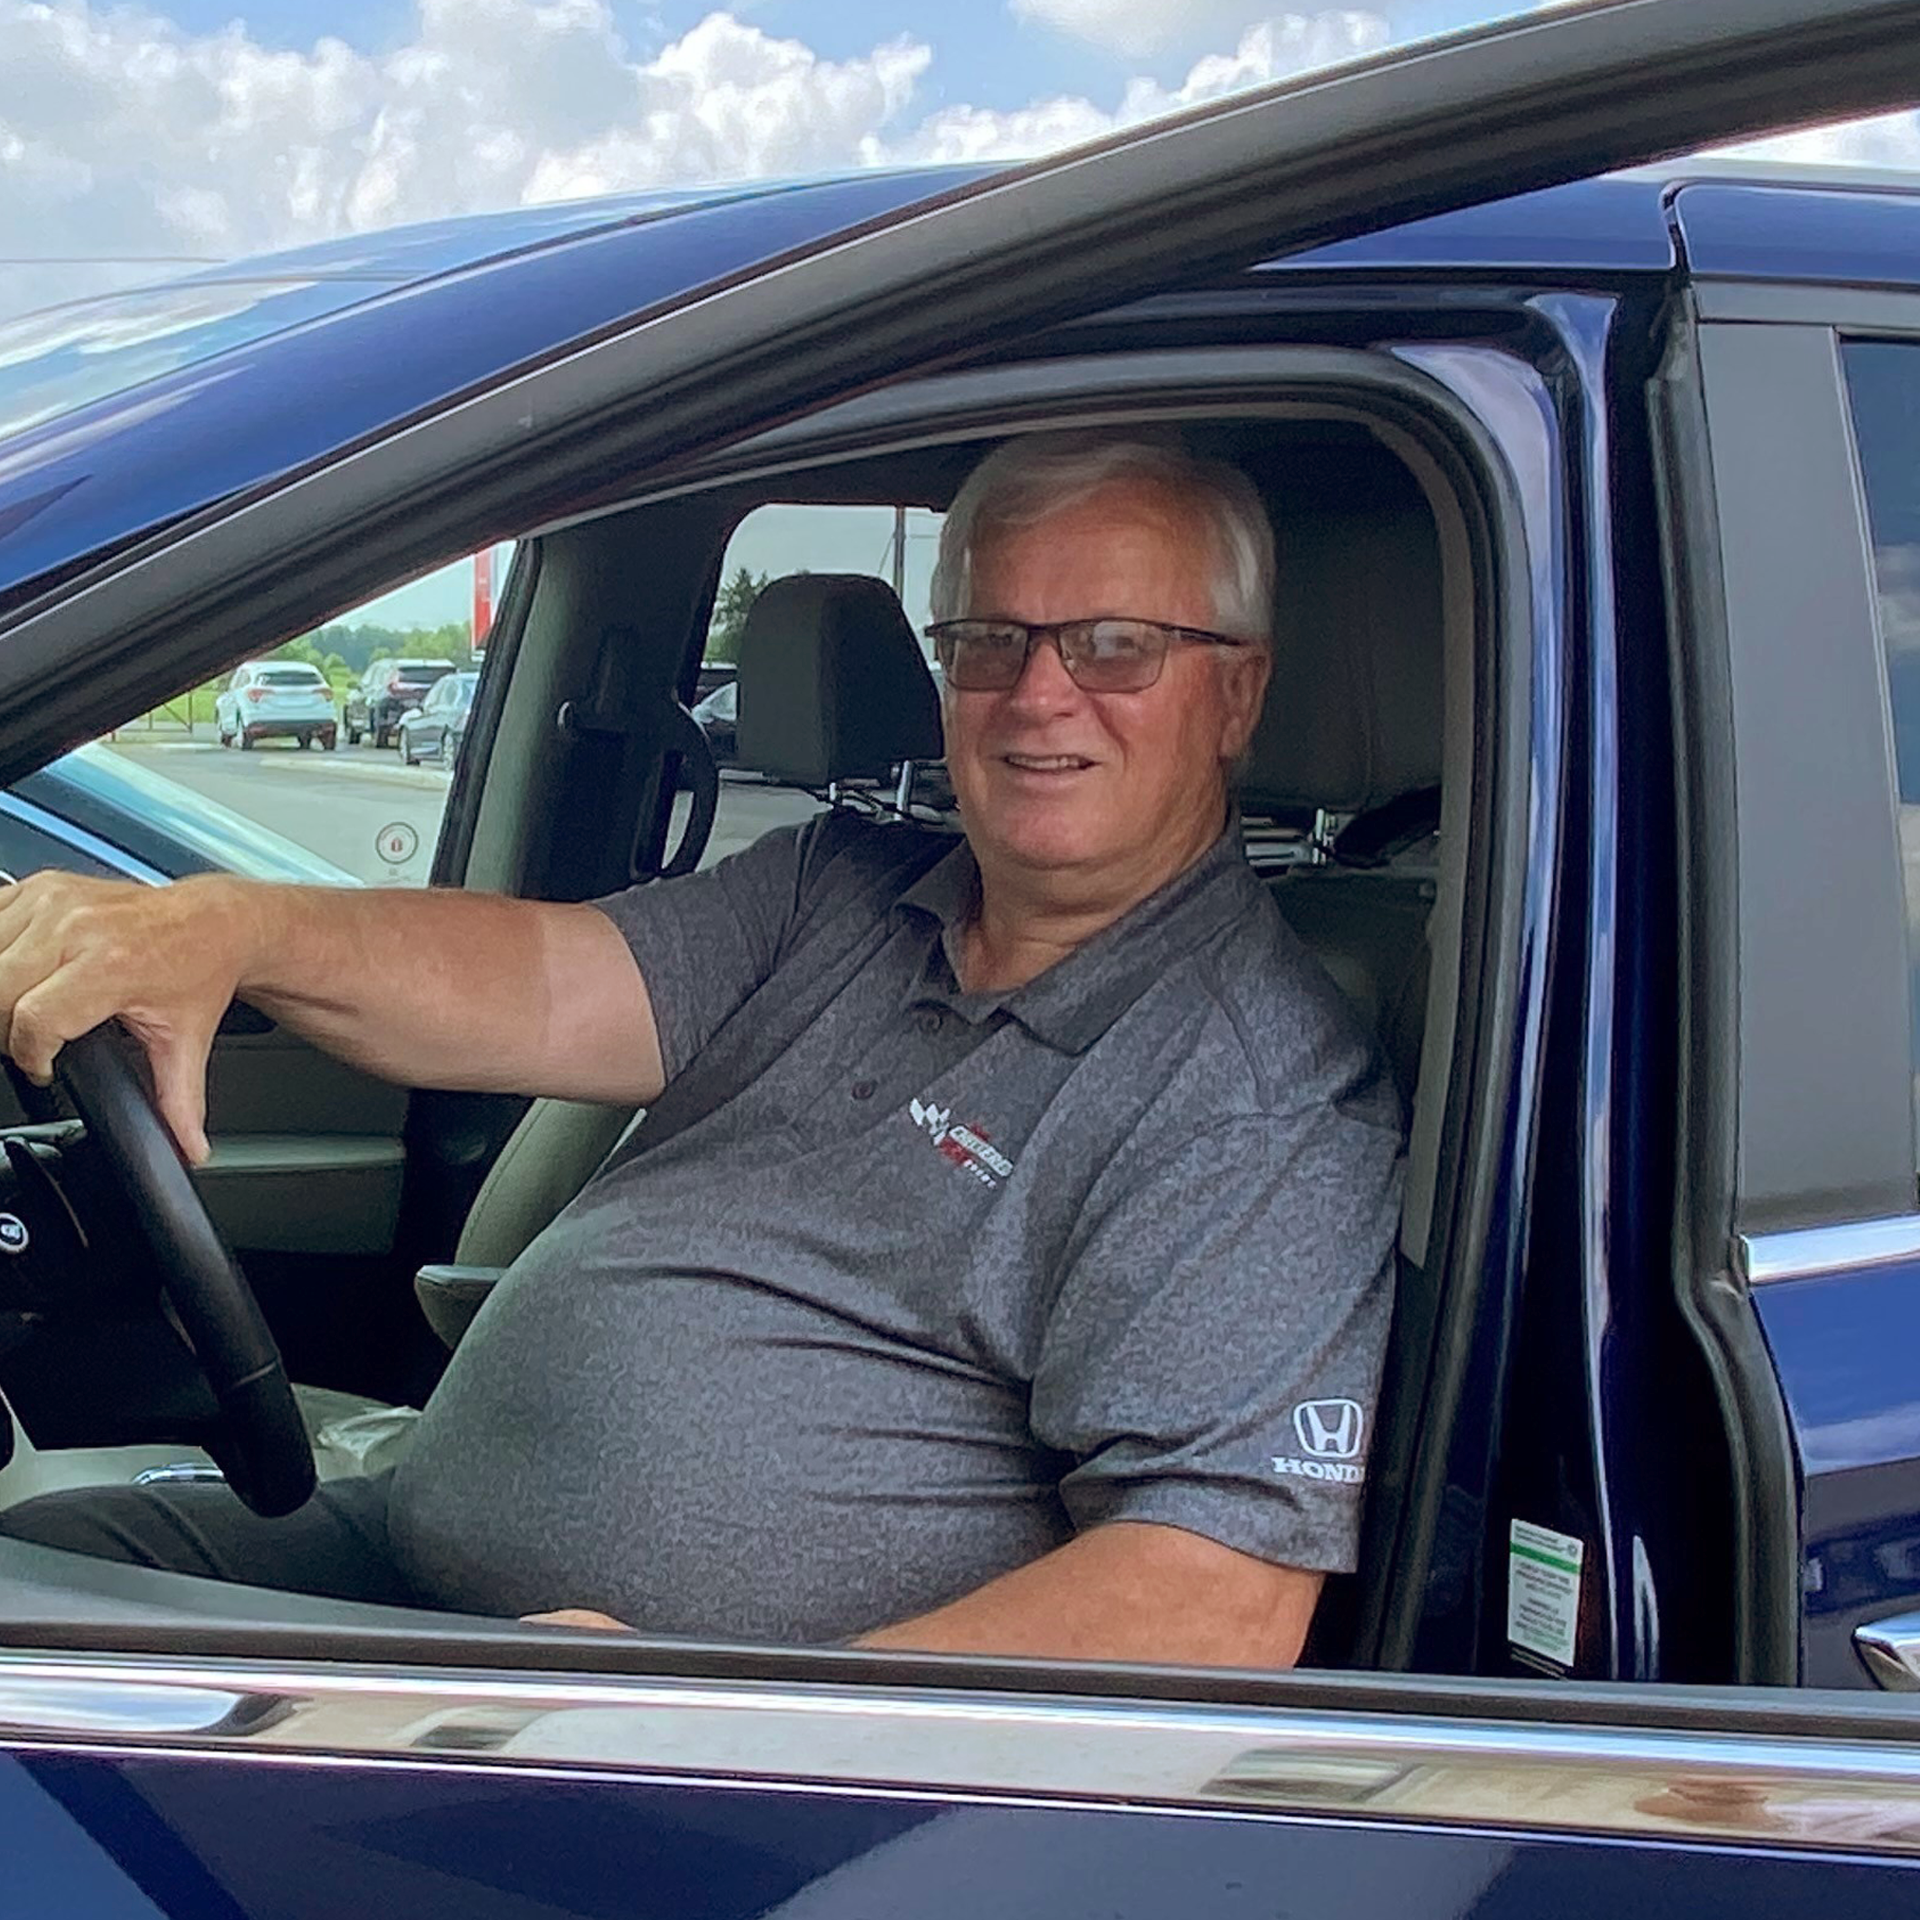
{"points": [[252, 1758], [1801, 379]]}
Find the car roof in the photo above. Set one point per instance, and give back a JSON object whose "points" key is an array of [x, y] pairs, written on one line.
{"points": [[387, 327]]}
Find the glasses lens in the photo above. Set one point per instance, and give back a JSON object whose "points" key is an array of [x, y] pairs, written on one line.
{"points": [[1114, 656], [979, 656]]}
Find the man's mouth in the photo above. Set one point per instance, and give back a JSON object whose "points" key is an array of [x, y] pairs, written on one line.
{"points": [[1047, 762]]}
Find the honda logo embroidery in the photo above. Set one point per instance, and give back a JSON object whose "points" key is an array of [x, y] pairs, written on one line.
{"points": [[1330, 1433], [1329, 1429]]}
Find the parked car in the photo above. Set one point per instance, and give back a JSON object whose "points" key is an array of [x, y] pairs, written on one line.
{"points": [[383, 693], [1596, 514], [100, 812], [435, 728], [275, 699]]}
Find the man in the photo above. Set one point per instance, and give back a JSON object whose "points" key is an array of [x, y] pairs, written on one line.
{"points": [[1014, 1204]]}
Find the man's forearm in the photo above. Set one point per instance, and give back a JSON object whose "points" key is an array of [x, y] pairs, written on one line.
{"points": [[430, 989], [448, 989], [1129, 1591]]}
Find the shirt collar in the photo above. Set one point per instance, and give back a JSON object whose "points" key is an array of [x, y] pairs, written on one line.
{"points": [[1077, 999]]}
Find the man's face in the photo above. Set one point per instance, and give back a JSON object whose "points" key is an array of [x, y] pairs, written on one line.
{"points": [[1101, 790]]}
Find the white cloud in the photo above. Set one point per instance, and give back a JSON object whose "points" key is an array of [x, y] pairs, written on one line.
{"points": [[1888, 140], [124, 135], [1271, 50]]}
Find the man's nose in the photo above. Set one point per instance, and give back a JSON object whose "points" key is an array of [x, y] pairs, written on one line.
{"points": [[1044, 680]]}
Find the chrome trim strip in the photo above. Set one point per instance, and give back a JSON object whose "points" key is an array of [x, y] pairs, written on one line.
{"points": [[1850, 1795], [1809, 1252], [1891, 1650]]}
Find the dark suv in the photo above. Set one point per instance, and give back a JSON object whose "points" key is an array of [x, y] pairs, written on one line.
{"points": [[384, 692], [1597, 498]]}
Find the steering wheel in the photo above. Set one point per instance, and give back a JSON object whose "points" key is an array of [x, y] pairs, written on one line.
{"points": [[260, 1443]]}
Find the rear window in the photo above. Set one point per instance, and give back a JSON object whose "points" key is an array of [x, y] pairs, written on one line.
{"points": [[291, 677], [421, 672]]}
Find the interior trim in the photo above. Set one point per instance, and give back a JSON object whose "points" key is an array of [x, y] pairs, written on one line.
{"points": [[331, 1193], [1834, 1795]]}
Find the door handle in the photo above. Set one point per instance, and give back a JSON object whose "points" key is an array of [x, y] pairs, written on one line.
{"points": [[1891, 1650]]}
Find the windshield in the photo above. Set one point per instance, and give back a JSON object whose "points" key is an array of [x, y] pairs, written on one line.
{"points": [[67, 357]]}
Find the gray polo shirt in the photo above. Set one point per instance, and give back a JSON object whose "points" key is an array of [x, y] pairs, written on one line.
{"points": [[899, 1286]]}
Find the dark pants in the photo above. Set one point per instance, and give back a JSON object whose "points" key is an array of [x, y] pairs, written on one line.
{"points": [[336, 1545]]}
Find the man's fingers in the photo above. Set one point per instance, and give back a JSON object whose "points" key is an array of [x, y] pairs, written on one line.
{"points": [[180, 1086], [46, 1017], [577, 1617]]}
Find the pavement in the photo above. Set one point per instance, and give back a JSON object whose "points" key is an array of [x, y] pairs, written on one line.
{"points": [[359, 808]]}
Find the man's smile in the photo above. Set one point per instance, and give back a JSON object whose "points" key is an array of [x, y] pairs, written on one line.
{"points": [[1047, 762]]}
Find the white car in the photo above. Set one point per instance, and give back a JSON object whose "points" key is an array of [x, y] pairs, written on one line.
{"points": [[269, 697]]}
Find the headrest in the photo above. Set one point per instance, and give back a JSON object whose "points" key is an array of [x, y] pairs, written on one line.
{"points": [[833, 685], [1353, 713]]}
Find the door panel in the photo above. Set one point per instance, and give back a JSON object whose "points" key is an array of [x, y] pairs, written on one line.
{"points": [[256, 1840]]}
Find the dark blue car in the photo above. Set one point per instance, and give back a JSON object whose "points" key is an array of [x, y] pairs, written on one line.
{"points": [[1598, 504]]}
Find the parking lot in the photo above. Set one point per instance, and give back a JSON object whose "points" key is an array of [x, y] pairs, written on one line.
{"points": [[359, 808]]}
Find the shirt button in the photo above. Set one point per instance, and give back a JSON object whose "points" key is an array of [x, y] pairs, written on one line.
{"points": [[929, 1021], [863, 1089]]}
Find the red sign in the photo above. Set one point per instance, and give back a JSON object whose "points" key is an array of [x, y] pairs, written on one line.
{"points": [[482, 597]]}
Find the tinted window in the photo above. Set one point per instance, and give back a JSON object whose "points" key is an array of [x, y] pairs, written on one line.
{"points": [[1883, 380], [290, 677]]}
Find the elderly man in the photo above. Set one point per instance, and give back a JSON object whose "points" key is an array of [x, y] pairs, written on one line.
{"points": [[1017, 1204]]}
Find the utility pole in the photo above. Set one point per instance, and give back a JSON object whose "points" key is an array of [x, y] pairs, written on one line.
{"points": [[899, 552]]}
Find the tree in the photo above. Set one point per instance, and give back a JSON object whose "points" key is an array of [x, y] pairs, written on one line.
{"points": [[730, 609]]}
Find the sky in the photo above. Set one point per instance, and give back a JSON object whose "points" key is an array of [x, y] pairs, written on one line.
{"points": [[138, 135], [141, 137]]}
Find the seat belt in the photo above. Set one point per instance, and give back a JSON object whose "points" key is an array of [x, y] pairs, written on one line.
{"points": [[630, 736]]}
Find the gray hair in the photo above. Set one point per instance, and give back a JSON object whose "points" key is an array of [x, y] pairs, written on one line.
{"points": [[1024, 480]]}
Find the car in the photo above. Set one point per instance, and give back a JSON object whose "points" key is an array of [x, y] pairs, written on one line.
{"points": [[436, 727], [1593, 476], [101, 812], [275, 699], [375, 703]]}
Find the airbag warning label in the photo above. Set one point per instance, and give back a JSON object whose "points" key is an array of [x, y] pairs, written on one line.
{"points": [[1543, 1591]]}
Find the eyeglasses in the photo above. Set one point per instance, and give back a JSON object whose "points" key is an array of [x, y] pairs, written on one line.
{"points": [[1101, 656]]}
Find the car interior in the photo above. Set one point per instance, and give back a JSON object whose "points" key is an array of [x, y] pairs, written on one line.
{"points": [[370, 1220]]}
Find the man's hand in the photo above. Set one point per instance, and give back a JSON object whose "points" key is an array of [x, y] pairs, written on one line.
{"points": [[166, 960], [1128, 1591], [577, 1617], [398, 983]]}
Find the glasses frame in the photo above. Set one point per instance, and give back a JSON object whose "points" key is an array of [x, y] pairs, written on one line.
{"points": [[943, 633]]}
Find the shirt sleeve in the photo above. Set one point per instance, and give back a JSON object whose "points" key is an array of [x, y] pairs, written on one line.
{"points": [[1213, 1355], [705, 941]]}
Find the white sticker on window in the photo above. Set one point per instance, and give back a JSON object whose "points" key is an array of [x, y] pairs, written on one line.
{"points": [[1543, 1591]]}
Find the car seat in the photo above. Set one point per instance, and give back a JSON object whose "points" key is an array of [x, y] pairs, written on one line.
{"points": [[833, 689]]}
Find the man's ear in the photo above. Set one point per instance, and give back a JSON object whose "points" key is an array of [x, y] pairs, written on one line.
{"points": [[1244, 674]]}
